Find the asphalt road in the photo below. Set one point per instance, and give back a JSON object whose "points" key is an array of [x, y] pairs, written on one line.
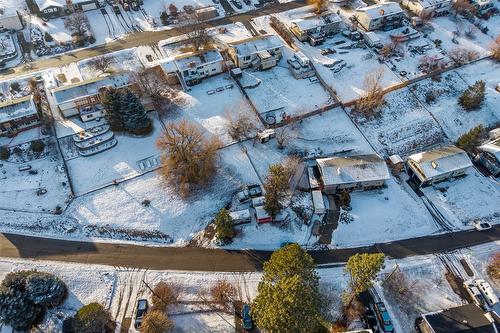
{"points": [[202, 259], [142, 38]]}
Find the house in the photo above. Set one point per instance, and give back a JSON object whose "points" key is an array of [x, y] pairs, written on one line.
{"points": [[467, 318], [50, 9], [485, 8], [190, 68], [428, 8], [206, 13], [384, 16], [315, 28], [18, 115], [260, 52], [489, 156], [10, 17], [437, 165], [352, 173]]}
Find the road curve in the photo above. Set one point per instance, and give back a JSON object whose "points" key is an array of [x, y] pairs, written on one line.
{"points": [[203, 259]]}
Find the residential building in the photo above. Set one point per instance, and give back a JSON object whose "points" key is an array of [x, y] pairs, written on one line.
{"points": [[485, 8], [55, 8], [192, 67], [10, 17], [438, 165], [352, 173], [206, 13], [260, 52], [384, 16], [489, 156], [315, 28], [428, 8], [468, 318], [17, 115]]}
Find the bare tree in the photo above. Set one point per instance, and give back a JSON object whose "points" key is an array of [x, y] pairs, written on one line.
{"points": [[101, 64], [283, 136], [223, 294], [188, 158], [461, 56], [165, 294], [242, 124], [173, 9], [77, 23], [196, 32], [319, 5], [430, 64], [462, 7], [469, 32], [151, 82], [373, 99], [495, 49]]}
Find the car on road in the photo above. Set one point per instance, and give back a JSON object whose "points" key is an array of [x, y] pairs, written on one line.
{"points": [[481, 226], [245, 317], [383, 318], [142, 309], [116, 9]]}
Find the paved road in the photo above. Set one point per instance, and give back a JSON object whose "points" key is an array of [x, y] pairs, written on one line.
{"points": [[201, 259], [142, 38]]}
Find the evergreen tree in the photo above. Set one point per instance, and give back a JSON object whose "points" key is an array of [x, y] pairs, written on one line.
{"points": [[224, 227], [45, 289], [18, 311], [288, 299], [473, 96], [156, 322], [134, 117], [363, 268], [92, 318], [110, 99], [275, 186], [470, 140]]}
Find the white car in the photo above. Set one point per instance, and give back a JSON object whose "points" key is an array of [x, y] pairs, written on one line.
{"points": [[481, 226]]}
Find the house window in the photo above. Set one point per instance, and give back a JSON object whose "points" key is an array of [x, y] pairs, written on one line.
{"points": [[214, 69], [246, 58], [185, 73]]}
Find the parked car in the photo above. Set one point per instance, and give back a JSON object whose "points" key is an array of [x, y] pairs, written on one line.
{"points": [[383, 318], [142, 309], [369, 318], [237, 4], [116, 9], [245, 317], [481, 226], [135, 6], [24, 167]]}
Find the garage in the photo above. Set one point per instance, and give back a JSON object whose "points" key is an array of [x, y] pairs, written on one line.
{"points": [[88, 6]]}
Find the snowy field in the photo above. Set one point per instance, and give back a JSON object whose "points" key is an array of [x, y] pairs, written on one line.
{"points": [[404, 126], [454, 120], [121, 61], [465, 199], [379, 216], [212, 112]]}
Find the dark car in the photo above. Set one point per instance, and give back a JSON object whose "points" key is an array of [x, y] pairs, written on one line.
{"points": [[254, 190], [142, 309], [245, 317], [116, 9], [383, 318]]}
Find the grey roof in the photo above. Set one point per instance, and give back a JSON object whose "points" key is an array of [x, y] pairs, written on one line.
{"points": [[352, 169], [381, 10], [256, 44], [17, 108], [440, 161], [492, 147], [461, 319]]}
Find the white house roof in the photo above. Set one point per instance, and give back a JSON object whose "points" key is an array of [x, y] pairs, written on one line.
{"points": [[381, 10], [492, 147], [256, 44], [440, 161], [17, 108], [429, 3], [352, 169], [10, 7], [190, 60], [313, 22], [43, 4]]}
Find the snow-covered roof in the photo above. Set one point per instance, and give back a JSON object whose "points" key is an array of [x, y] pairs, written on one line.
{"points": [[191, 59], [316, 21], [381, 10], [10, 7], [492, 147], [441, 161], [17, 108], [257, 44], [429, 3], [352, 169], [89, 87], [43, 4]]}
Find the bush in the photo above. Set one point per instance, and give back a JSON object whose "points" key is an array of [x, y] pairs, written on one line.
{"points": [[156, 322], [470, 140], [48, 37], [15, 86], [493, 268], [45, 289], [18, 311], [164, 295], [224, 227], [37, 146], [473, 97], [164, 18], [91, 39], [92, 318], [4, 153], [222, 294]]}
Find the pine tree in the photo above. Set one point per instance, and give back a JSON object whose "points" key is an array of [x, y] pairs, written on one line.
{"points": [[470, 140], [473, 97], [224, 227], [45, 289], [92, 318], [135, 118], [18, 311], [275, 187], [363, 268], [288, 299], [110, 99]]}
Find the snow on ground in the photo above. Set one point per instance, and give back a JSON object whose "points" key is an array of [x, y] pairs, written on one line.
{"points": [[403, 127], [118, 163], [454, 120], [54, 27], [212, 112], [122, 61], [19, 188], [384, 215], [22, 137], [465, 199], [230, 32]]}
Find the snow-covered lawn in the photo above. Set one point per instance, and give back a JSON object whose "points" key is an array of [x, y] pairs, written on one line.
{"points": [[454, 120], [403, 127], [278, 93], [212, 112], [122, 61], [384, 215], [118, 163], [465, 199]]}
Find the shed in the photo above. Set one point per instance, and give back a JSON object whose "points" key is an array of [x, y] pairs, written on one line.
{"points": [[258, 201], [318, 203], [241, 216], [262, 216]]}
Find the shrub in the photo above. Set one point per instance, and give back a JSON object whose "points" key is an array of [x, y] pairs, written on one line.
{"points": [[164, 18], [48, 37], [15, 86], [470, 140], [91, 39], [37, 146], [156, 322], [224, 227], [493, 268], [165, 294], [18, 311], [45, 289], [473, 97], [92, 318], [4, 153], [222, 294]]}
